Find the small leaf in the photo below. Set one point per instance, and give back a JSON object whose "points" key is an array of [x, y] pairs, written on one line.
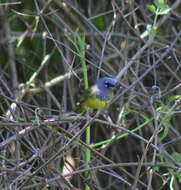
{"points": [[159, 3], [178, 175], [151, 8], [164, 10], [172, 98], [176, 156], [166, 122], [99, 22]]}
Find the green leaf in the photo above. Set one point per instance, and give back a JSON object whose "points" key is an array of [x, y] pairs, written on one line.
{"points": [[99, 22], [162, 7], [159, 3], [164, 10], [176, 156], [151, 8], [178, 175], [161, 111], [4, 1], [172, 98]]}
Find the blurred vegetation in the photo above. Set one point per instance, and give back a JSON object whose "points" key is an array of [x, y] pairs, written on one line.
{"points": [[46, 49]]}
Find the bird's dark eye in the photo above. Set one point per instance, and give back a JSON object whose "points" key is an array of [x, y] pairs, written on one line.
{"points": [[107, 84]]}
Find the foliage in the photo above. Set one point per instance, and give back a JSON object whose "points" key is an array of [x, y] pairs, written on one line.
{"points": [[51, 51]]}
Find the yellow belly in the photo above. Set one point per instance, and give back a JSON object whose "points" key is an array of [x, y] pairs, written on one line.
{"points": [[93, 103]]}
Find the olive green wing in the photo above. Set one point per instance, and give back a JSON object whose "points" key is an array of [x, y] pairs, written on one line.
{"points": [[82, 99], [89, 100]]}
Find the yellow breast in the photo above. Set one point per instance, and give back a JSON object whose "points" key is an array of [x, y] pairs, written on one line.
{"points": [[94, 103]]}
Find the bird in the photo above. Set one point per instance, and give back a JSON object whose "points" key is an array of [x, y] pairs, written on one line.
{"points": [[98, 96]]}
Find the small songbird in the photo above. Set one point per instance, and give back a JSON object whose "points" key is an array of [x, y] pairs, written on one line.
{"points": [[98, 96]]}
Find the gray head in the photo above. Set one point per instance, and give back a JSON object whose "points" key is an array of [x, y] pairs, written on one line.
{"points": [[104, 88]]}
